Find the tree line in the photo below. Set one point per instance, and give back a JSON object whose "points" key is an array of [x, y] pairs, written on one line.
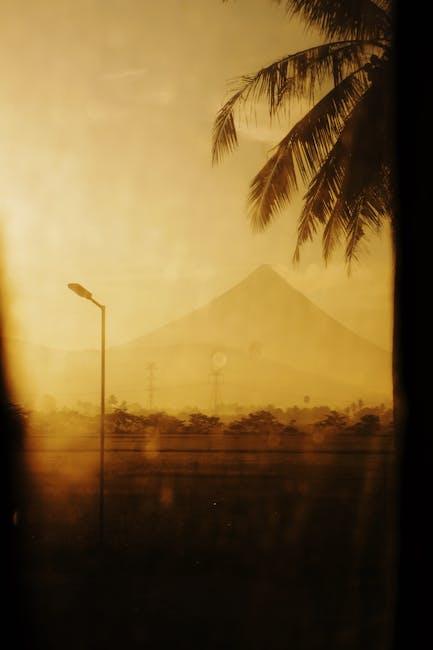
{"points": [[271, 421]]}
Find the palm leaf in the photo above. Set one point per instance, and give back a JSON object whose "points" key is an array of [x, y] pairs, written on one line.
{"points": [[357, 19], [291, 77], [355, 232], [351, 191], [273, 186], [322, 193], [341, 215], [326, 187], [367, 215], [224, 136], [303, 150]]}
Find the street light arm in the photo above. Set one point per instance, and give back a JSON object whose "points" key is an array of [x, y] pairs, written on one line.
{"points": [[98, 304]]}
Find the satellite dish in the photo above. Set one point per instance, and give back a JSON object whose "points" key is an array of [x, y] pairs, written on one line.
{"points": [[219, 360]]}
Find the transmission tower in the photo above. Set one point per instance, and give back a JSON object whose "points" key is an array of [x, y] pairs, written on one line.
{"points": [[216, 377], [151, 367]]}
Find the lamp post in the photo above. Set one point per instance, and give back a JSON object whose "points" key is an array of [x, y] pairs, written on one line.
{"points": [[84, 293]]}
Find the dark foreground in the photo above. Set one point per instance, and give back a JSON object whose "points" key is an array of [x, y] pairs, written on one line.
{"points": [[219, 543]]}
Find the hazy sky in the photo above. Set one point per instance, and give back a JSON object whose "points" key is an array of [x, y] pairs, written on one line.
{"points": [[105, 175]]}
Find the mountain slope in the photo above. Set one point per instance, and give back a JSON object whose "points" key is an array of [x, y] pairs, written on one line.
{"points": [[263, 315], [278, 347]]}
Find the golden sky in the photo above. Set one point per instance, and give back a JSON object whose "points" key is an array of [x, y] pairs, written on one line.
{"points": [[105, 171]]}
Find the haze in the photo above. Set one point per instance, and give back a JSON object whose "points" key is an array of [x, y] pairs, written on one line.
{"points": [[107, 111]]}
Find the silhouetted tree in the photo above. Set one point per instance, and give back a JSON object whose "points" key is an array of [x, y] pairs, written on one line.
{"points": [[162, 423], [369, 423], [259, 422], [290, 428], [124, 422], [334, 421], [202, 424]]}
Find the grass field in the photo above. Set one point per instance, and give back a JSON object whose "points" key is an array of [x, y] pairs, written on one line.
{"points": [[210, 542]]}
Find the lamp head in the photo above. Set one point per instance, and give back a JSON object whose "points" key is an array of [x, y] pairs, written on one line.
{"points": [[80, 290]]}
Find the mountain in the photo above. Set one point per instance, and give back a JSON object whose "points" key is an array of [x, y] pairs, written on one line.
{"points": [[276, 347], [265, 317]]}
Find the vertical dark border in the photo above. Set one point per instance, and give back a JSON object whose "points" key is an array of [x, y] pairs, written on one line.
{"points": [[414, 323], [16, 625]]}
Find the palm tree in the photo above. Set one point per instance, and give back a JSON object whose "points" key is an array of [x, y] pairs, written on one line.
{"points": [[342, 150]]}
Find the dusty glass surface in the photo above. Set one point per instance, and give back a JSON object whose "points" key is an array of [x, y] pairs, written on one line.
{"points": [[208, 426]]}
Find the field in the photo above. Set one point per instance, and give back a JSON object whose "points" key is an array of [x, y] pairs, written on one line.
{"points": [[219, 541]]}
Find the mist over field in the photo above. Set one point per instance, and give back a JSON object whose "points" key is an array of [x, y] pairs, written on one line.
{"points": [[276, 346]]}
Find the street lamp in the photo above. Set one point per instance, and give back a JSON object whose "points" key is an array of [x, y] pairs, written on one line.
{"points": [[84, 293]]}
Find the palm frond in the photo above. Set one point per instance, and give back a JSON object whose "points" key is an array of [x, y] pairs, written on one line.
{"points": [[351, 191], [295, 76], [355, 232], [342, 149], [350, 218], [341, 215], [344, 18], [365, 216], [273, 186], [224, 135], [307, 71], [303, 150], [323, 192]]}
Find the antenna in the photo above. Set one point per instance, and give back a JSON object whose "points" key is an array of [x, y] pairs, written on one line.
{"points": [[151, 367]]}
